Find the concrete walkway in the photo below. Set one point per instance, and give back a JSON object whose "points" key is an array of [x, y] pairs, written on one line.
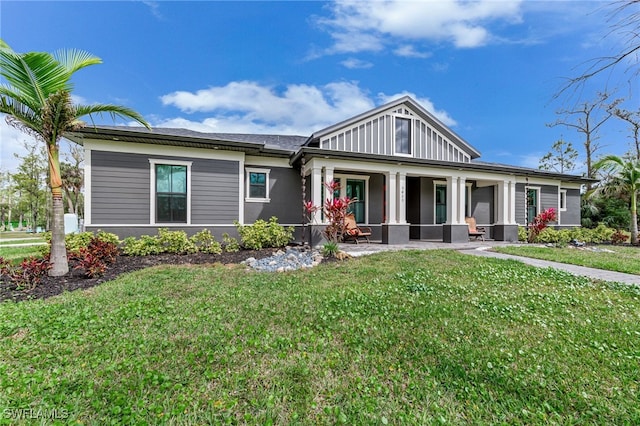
{"points": [[481, 248]]}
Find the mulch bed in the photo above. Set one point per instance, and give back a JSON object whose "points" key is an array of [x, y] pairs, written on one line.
{"points": [[74, 280]]}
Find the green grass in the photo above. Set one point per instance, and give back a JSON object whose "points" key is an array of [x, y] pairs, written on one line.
{"points": [[413, 337], [16, 254], [624, 259]]}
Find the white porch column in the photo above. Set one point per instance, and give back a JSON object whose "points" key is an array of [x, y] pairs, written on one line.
{"points": [[328, 178], [452, 200], [316, 192], [402, 197], [462, 197], [511, 207], [503, 203], [391, 197]]}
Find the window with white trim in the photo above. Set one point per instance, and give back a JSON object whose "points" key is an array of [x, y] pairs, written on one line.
{"points": [[403, 136], [562, 201], [170, 194], [532, 203], [257, 185]]}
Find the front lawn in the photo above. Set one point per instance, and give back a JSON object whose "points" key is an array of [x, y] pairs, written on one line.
{"points": [[415, 337], [623, 259]]}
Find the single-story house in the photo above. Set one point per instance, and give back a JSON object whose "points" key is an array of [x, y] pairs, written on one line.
{"points": [[413, 177]]}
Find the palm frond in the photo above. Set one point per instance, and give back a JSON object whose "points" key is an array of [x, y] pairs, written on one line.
{"points": [[74, 59], [34, 75], [114, 111]]}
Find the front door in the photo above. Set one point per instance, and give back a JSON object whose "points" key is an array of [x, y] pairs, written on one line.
{"points": [[355, 189]]}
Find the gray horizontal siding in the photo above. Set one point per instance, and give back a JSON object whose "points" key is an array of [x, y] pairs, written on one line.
{"points": [[215, 191], [572, 215], [121, 189], [285, 192]]}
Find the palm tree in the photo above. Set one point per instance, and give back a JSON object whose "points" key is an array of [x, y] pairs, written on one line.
{"points": [[37, 100], [626, 180]]}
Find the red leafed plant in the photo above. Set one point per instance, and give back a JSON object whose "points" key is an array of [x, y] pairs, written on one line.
{"points": [[540, 222], [94, 258], [334, 210]]}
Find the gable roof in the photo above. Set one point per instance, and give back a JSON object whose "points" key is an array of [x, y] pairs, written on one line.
{"points": [[413, 105]]}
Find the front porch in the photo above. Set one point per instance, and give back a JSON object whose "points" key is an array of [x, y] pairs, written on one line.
{"points": [[404, 203]]}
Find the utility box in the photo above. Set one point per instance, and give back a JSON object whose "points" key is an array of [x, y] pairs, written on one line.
{"points": [[70, 223]]}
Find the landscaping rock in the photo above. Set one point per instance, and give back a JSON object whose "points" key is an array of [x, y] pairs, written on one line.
{"points": [[289, 260]]}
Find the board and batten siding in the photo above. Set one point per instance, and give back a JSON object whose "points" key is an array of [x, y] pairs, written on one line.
{"points": [[121, 188], [377, 136]]}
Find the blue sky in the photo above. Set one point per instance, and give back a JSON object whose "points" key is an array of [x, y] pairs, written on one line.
{"points": [[488, 69]]}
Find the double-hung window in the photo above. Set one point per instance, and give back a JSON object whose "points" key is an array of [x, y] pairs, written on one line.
{"points": [[403, 136], [533, 203], [257, 184], [170, 199]]}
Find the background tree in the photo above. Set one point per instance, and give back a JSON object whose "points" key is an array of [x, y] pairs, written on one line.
{"points": [[587, 118], [73, 179], [624, 178], [623, 17], [633, 118], [37, 100], [562, 157], [30, 182]]}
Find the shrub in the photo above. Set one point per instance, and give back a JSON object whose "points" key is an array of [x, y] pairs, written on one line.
{"points": [[143, 246], [619, 237], [88, 261], [29, 273], [264, 234], [108, 237], [74, 242], [334, 210], [540, 222], [204, 242], [522, 234], [105, 250], [330, 249], [602, 233], [230, 244], [174, 242]]}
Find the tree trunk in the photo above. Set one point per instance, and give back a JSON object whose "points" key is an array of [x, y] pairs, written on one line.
{"points": [[634, 219], [59, 262]]}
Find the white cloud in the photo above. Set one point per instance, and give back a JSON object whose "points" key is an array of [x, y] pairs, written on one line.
{"points": [[354, 63], [12, 143], [359, 26], [409, 51], [248, 107]]}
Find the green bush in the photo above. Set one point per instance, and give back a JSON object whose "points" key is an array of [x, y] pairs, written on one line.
{"points": [[204, 242], [175, 242], [80, 240], [264, 234], [598, 235], [522, 234], [143, 246], [231, 245]]}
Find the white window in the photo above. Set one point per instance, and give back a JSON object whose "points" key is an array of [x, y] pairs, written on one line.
{"points": [[562, 201], [403, 136], [257, 188], [170, 191]]}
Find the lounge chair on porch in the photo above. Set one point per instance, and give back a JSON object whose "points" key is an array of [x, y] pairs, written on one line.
{"points": [[475, 231], [353, 231]]}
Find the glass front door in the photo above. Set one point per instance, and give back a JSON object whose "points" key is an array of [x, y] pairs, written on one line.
{"points": [[355, 189]]}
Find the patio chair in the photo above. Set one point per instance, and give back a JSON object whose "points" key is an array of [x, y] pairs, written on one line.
{"points": [[353, 231], [475, 231]]}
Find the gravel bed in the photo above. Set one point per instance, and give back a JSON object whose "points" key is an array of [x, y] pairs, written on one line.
{"points": [[289, 260]]}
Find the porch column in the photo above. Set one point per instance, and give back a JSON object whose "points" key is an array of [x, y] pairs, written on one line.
{"points": [[506, 228], [452, 200], [455, 230], [402, 196], [328, 178], [391, 197], [396, 228], [316, 192], [462, 196], [511, 218]]}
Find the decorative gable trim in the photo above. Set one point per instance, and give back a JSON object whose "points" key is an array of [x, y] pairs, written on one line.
{"points": [[375, 133]]}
